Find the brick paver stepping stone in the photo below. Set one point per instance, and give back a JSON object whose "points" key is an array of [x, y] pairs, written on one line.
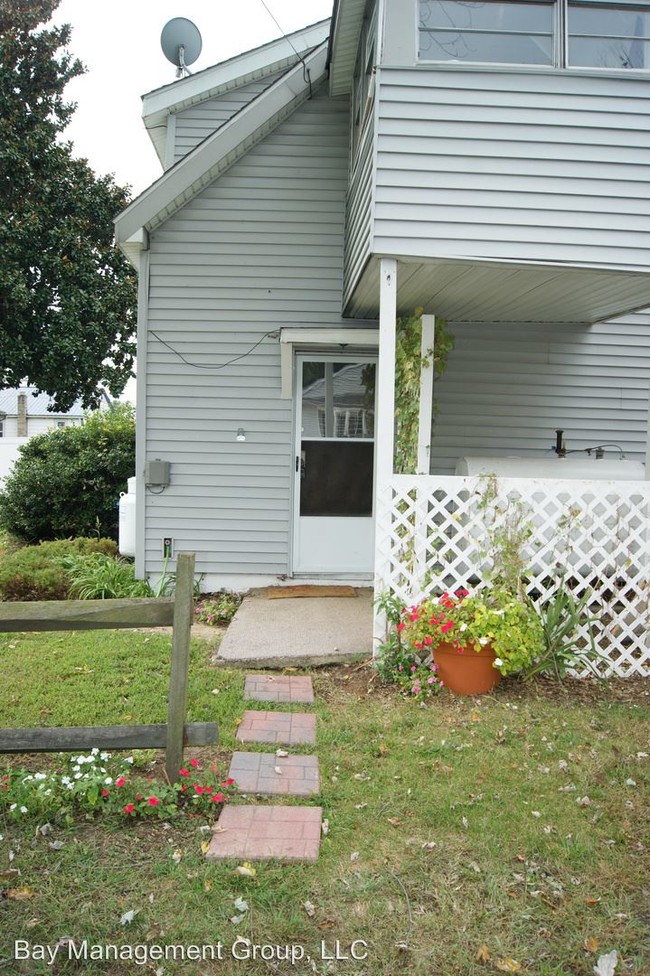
{"points": [[287, 689], [281, 728], [255, 772], [256, 833]]}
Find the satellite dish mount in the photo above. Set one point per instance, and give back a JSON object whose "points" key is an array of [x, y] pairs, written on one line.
{"points": [[181, 43]]}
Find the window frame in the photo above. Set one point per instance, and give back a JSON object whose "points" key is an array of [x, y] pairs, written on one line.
{"points": [[561, 38]]}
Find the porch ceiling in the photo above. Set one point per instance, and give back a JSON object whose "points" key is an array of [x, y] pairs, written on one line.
{"points": [[487, 292]]}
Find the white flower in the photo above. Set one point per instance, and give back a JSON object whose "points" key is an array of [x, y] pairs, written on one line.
{"points": [[104, 756], [23, 809], [28, 779], [12, 807], [65, 780], [47, 792], [129, 759], [483, 641], [108, 781], [77, 775], [499, 613], [40, 776], [70, 786], [462, 627], [94, 752], [81, 760], [498, 662], [76, 768]]}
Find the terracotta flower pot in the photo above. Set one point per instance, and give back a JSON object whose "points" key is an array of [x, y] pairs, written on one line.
{"points": [[467, 672]]}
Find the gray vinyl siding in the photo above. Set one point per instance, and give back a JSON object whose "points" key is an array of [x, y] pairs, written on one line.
{"points": [[500, 165], [196, 123], [359, 210], [508, 387], [259, 250]]}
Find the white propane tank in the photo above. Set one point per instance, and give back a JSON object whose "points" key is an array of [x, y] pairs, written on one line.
{"points": [[126, 542], [588, 469]]}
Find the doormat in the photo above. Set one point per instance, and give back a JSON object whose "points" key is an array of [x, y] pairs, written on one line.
{"points": [[308, 590]]}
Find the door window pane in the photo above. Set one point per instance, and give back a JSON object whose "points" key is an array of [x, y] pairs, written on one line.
{"points": [[338, 400], [608, 37], [494, 32]]}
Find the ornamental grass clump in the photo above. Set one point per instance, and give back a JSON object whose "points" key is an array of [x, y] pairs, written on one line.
{"points": [[468, 623]]}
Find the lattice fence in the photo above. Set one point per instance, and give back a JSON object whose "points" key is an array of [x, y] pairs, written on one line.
{"points": [[436, 534]]}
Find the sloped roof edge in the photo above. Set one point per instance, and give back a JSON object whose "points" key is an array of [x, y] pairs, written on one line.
{"points": [[346, 28], [236, 71], [219, 151]]}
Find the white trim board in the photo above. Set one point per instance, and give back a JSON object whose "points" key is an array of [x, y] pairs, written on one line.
{"points": [[292, 339]]}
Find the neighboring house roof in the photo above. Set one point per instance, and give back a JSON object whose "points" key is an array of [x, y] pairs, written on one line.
{"points": [[36, 405], [219, 151], [212, 82]]}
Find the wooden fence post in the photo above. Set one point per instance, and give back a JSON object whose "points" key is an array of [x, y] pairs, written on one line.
{"points": [[183, 610]]}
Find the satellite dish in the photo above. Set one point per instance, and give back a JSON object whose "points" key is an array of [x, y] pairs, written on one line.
{"points": [[181, 44]]}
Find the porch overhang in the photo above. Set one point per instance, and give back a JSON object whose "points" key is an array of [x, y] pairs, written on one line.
{"points": [[485, 291]]}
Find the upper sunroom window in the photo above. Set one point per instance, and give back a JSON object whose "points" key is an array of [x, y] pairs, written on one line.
{"points": [[561, 33]]}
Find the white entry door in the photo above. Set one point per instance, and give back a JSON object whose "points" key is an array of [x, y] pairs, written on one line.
{"points": [[334, 462]]}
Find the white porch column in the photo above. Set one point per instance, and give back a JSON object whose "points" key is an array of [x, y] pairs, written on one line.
{"points": [[647, 443], [384, 429], [426, 394]]}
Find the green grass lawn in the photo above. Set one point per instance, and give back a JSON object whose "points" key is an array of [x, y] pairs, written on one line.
{"points": [[472, 836]]}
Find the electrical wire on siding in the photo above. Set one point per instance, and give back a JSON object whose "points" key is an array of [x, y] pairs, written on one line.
{"points": [[215, 366]]}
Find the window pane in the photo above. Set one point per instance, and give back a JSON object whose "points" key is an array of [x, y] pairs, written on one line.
{"points": [[603, 37], [338, 400], [510, 33], [336, 478]]}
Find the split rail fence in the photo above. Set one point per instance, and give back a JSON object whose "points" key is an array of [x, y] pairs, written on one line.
{"points": [[67, 615]]}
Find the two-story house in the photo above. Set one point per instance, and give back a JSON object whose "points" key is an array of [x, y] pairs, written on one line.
{"points": [[485, 161]]}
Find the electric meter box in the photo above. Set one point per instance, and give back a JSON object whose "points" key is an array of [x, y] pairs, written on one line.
{"points": [[156, 473]]}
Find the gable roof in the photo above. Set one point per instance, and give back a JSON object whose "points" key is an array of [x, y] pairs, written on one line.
{"points": [[219, 151], [252, 65]]}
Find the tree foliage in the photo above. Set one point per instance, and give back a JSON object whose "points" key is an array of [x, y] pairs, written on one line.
{"points": [[67, 295], [67, 482]]}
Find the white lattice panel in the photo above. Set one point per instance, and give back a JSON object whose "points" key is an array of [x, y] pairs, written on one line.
{"points": [[433, 534]]}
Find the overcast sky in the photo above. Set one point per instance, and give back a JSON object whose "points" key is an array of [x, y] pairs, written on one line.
{"points": [[119, 43]]}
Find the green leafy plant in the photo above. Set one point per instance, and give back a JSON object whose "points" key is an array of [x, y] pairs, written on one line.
{"points": [[67, 482], [218, 608], [100, 577], [567, 634], [38, 573], [495, 617], [100, 784], [414, 670]]}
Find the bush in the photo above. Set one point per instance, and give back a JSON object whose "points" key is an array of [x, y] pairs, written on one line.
{"points": [[101, 577], [37, 573], [67, 482], [217, 608]]}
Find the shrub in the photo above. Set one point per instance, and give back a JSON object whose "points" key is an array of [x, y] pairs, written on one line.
{"points": [[101, 577], [37, 572], [67, 482]]}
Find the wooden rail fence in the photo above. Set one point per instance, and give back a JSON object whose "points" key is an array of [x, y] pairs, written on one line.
{"points": [[176, 611]]}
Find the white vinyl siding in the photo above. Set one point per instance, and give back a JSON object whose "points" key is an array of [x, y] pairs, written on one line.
{"points": [[508, 387], [259, 250], [194, 124], [509, 166]]}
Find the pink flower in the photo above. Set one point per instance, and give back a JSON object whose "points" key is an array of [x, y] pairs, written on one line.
{"points": [[428, 640], [217, 798], [120, 781], [183, 772], [129, 808], [199, 790], [153, 801], [104, 793], [445, 628], [195, 763]]}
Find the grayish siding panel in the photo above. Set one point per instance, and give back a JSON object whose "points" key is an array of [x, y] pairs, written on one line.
{"points": [[508, 387], [544, 167], [198, 121], [259, 250]]}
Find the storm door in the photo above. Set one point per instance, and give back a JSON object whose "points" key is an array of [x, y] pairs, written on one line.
{"points": [[333, 466]]}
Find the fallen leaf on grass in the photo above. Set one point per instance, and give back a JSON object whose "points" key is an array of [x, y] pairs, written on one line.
{"points": [[56, 845], [128, 917], [281, 753], [20, 894], [483, 954], [241, 904], [205, 846], [278, 771], [591, 945], [10, 873], [354, 856], [245, 870], [606, 965], [236, 919], [508, 966], [309, 908], [395, 821], [207, 885], [177, 857], [325, 827], [591, 901]]}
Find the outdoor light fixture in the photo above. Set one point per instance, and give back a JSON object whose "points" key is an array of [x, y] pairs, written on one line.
{"points": [[241, 434]]}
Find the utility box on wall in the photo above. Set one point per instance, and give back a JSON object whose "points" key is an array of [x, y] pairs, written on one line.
{"points": [[156, 473]]}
